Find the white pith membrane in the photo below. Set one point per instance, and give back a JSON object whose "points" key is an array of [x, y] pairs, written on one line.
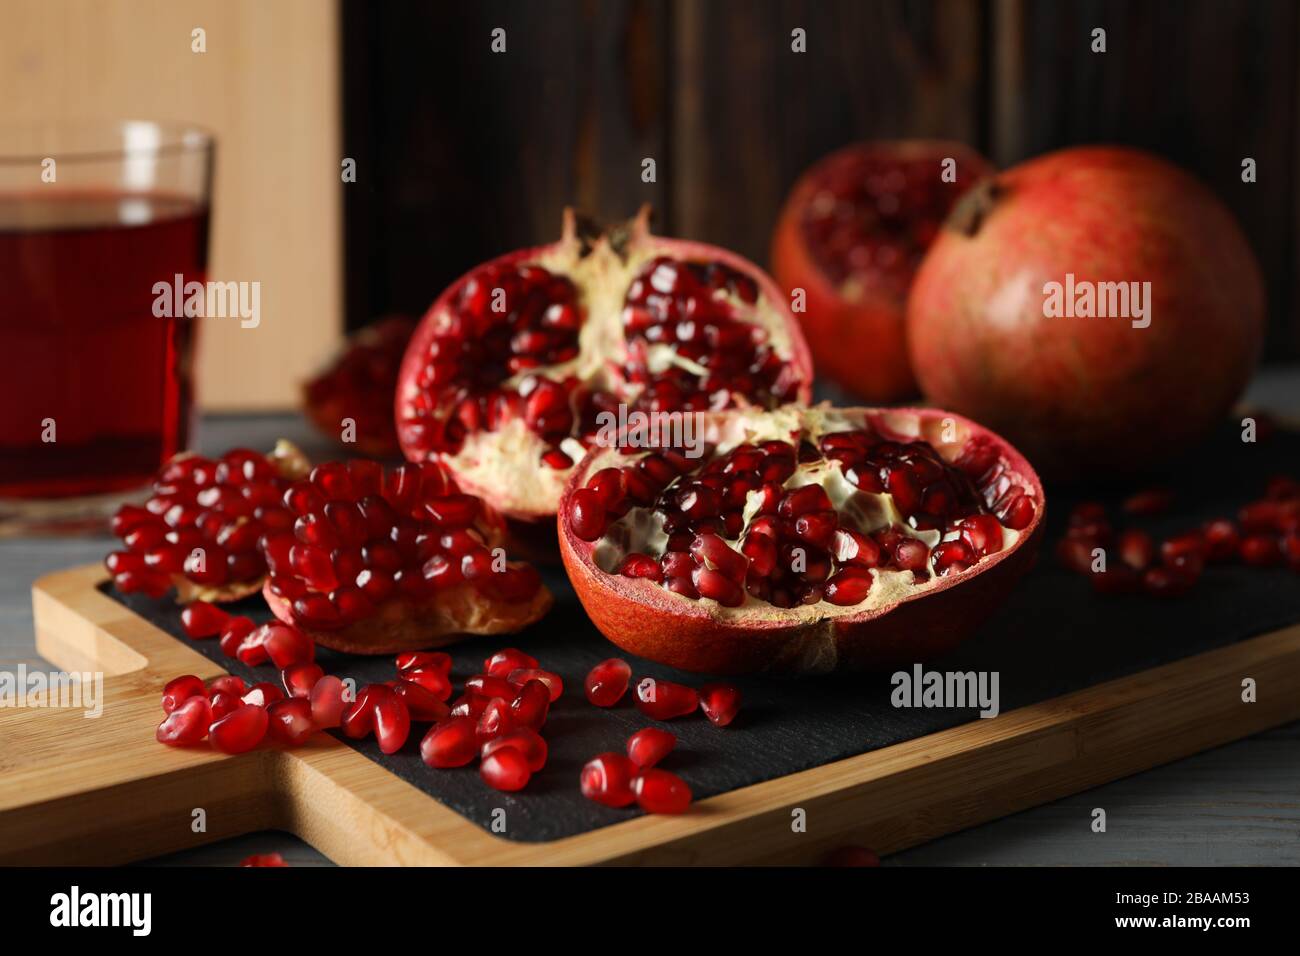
{"points": [[602, 276], [641, 529]]}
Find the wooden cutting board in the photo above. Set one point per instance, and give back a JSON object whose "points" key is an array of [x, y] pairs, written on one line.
{"points": [[75, 790]]}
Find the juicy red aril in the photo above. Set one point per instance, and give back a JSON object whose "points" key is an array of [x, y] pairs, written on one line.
{"points": [[506, 660], [640, 566], [719, 587], [227, 683], [439, 661], [452, 743], [505, 769], [848, 587], [252, 649], [496, 719], [289, 722], [327, 702], [648, 746], [950, 557], [240, 731], [982, 534], [224, 703], [720, 703], [233, 634], [664, 700], [358, 717], [263, 694], [607, 682], [420, 703], [607, 779], [658, 791], [187, 723], [1221, 540], [299, 679], [554, 683], [531, 705], [436, 682], [586, 514], [201, 619], [179, 689], [489, 686], [1260, 550], [912, 554], [286, 645], [712, 551], [392, 721], [1136, 549], [525, 740]]}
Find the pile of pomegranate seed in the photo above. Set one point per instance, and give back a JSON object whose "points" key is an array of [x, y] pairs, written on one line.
{"points": [[615, 780], [358, 536], [498, 719], [509, 323], [794, 546], [359, 385], [204, 522], [1265, 533]]}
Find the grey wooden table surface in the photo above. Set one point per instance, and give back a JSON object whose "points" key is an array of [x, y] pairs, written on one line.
{"points": [[1236, 805]]}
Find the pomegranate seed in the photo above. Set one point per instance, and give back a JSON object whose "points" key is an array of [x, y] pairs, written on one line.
{"points": [[233, 634], [289, 722], [201, 619], [531, 705], [1149, 502], [327, 702], [227, 683], [224, 703], [1260, 550], [524, 739], [392, 721], [606, 683], [586, 514], [1137, 549], [803, 500], [1259, 517], [488, 686], [1019, 513], [187, 723], [849, 587], [1221, 540], [299, 679], [358, 717], [853, 547], [720, 703], [240, 731], [252, 649], [554, 683], [496, 719], [649, 746], [287, 645], [607, 779], [664, 700], [179, 689], [263, 694], [451, 743], [982, 534], [658, 791], [421, 704], [846, 856], [952, 557], [436, 682], [506, 660], [1075, 553], [640, 566], [505, 769], [717, 586], [1185, 549], [911, 554], [438, 661], [713, 552]]}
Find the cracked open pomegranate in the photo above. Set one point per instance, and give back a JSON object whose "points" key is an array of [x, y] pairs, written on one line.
{"points": [[851, 235], [358, 384], [803, 539], [383, 561], [201, 526], [508, 375]]}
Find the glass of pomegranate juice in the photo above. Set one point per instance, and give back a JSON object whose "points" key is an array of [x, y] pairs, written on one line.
{"points": [[97, 382]]}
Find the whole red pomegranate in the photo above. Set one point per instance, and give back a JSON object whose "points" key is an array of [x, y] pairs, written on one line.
{"points": [[851, 235], [523, 363], [802, 540], [1003, 321]]}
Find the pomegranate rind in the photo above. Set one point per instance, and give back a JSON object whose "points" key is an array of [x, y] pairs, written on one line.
{"points": [[457, 614], [859, 341], [525, 491], [649, 621]]}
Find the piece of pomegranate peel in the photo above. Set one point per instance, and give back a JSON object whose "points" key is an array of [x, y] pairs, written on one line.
{"points": [[510, 371], [901, 563], [384, 561]]}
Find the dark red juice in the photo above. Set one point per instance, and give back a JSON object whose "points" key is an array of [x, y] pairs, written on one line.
{"points": [[80, 345]]}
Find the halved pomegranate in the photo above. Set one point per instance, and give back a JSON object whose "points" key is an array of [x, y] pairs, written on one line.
{"points": [[359, 384], [851, 235], [201, 527], [804, 539], [508, 375], [383, 561]]}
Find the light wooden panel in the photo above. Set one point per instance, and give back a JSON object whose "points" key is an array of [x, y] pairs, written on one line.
{"points": [[268, 87]]}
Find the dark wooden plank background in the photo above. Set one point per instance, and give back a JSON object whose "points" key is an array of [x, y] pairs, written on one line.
{"points": [[464, 153]]}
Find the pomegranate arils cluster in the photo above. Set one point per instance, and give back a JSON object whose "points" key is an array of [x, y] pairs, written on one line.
{"points": [[1266, 533], [758, 519], [203, 524], [361, 536]]}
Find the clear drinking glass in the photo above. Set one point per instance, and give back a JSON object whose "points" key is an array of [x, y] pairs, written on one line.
{"points": [[96, 388]]}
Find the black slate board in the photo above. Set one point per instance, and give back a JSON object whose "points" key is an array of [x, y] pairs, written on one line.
{"points": [[1053, 636]]}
